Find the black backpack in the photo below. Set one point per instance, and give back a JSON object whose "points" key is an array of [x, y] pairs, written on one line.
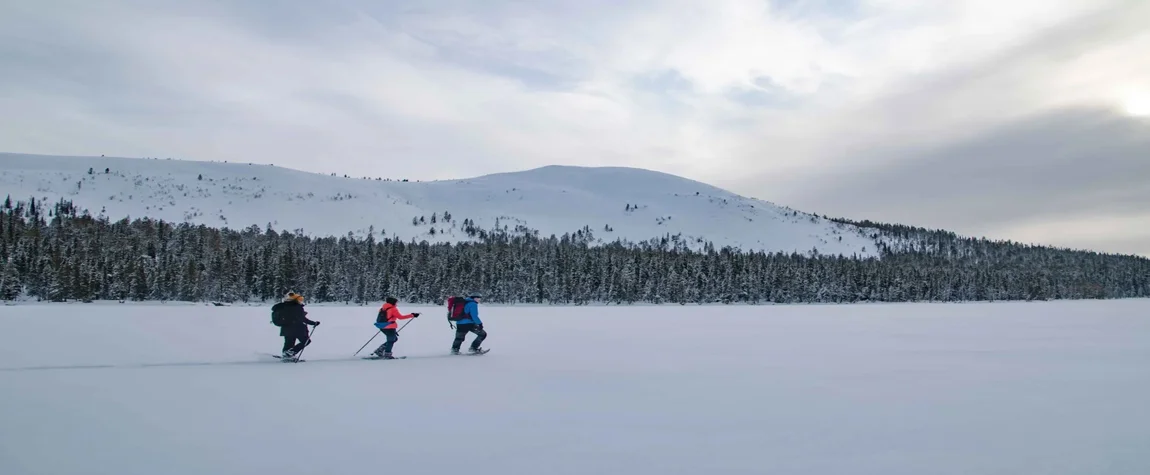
{"points": [[279, 316]]}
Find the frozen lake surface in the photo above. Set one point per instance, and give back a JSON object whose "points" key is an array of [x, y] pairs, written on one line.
{"points": [[983, 388]]}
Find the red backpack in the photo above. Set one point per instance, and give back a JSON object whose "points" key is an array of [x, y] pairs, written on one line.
{"points": [[455, 307]]}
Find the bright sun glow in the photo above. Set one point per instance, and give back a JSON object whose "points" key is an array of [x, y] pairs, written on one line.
{"points": [[1138, 105]]}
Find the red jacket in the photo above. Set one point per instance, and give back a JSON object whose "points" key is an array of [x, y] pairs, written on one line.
{"points": [[391, 314]]}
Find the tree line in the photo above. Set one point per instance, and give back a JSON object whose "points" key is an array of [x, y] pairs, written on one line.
{"points": [[61, 253]]}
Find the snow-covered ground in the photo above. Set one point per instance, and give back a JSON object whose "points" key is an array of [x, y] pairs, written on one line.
{"points": [[1003, 388], [614, 203]]}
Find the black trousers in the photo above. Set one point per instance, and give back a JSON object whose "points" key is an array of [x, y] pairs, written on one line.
{"points": [[392, 337], [461, 332], [290, 339]]}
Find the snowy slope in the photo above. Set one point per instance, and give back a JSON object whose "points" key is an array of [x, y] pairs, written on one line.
{"points": [[635, 204], [941, 389]]}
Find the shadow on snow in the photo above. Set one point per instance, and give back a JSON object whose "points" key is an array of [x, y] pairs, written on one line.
{"points": [[269, 360]]}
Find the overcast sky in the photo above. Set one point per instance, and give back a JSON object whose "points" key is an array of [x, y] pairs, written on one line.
{"points": [[1018, 119]]}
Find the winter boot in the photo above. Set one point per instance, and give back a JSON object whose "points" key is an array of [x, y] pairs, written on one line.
{"points": [[476, 351], [455, 351], [378, 352], [387, 356], [289, 356]]}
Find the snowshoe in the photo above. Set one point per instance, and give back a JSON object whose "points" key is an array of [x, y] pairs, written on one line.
{"points": [[383, 356]]}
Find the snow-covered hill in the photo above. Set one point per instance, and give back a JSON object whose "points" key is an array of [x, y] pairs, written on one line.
{"points": [[613, 203]]}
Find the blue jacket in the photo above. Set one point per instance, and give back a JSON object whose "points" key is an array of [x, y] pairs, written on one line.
{"points": [[472, 310]]}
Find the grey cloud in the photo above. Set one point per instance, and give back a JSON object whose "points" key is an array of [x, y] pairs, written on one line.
{"points": [[1132, 245], [72, 84], [1065, 163], [818, 9], [964, 150], [70, 58], [464, 34], [40, 54], [532, 77], [663, 82], [768, 94], [985, 85], [474, 35]]}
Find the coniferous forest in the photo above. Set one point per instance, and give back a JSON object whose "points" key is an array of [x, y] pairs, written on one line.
{"points": [[61, 254]]}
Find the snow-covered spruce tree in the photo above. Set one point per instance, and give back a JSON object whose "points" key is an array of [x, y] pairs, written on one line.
{"points": [[80, 257], [11, 286]]}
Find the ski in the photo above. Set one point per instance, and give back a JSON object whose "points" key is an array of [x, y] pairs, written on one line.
{"points": [[288, 360]]}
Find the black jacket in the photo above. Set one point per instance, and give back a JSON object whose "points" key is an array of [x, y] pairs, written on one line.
{"points": [[297, 320]]}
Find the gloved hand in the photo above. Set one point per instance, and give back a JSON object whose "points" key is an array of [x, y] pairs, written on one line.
{"points": [[316, 324], [415, 315]]}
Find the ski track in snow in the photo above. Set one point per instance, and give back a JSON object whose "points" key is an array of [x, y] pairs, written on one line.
{"points": [[552, 200], [988, 388]]}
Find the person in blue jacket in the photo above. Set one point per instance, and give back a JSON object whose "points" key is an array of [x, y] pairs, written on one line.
{"points": [[470, 324]]}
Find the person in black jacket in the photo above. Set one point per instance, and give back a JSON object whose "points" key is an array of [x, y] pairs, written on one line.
{"points": [[295, 322]]}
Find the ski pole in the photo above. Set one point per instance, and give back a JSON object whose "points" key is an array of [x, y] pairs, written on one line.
{"points": [[365, 344], [377, 334], [309, 334]]}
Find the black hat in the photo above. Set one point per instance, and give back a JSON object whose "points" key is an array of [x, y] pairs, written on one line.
{"points": [[392, 300]]}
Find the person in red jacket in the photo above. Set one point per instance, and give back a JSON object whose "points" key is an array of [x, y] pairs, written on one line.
{"points": [[386, 322]]}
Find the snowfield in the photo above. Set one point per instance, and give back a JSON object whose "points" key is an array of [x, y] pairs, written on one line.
{"points": [[985, 388], [612, 202]]}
